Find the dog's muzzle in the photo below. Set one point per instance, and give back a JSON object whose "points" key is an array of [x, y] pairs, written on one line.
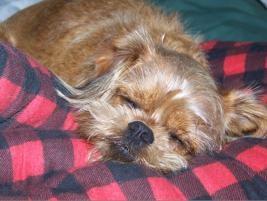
{"points": [[138, 134]]}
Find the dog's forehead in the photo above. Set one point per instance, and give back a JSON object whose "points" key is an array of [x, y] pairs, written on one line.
{"points": [[166, 73], [152, 82], [161, 84]]}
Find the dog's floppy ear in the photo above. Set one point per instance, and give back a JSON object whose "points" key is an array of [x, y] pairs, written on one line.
{"points": [[126, 49], [244, 114], [104, 62]]}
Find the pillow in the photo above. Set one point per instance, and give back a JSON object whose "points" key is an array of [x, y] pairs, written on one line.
{"points": [[42, 158]]}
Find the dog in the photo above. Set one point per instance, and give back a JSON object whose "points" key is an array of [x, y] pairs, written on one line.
{"points": [[141, 85]]}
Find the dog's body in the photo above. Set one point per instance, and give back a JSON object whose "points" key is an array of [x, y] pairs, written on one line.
{"points": [[44, 29], [145, 93]]}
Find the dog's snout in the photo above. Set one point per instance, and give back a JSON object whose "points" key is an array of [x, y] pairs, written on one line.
{"points": [[139, 134]]}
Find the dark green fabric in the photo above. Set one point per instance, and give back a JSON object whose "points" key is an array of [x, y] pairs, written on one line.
{"points": [[236, 20]]}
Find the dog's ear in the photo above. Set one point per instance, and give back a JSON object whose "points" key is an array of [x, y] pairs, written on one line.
{"points": [[125, 50], [244, 114], [104, 62]]}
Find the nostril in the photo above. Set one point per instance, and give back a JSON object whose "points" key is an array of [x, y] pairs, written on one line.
{"points": [[147, 137], [136, 126], [139, 133]]}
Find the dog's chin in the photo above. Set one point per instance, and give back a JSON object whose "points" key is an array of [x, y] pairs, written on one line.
{"points": [[122, 152], [148, 156]]}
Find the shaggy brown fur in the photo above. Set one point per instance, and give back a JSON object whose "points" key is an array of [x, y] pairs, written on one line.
{"points": [[143, 86]]}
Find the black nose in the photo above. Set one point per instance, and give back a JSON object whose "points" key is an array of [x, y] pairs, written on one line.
{"points": [[139, 134]]}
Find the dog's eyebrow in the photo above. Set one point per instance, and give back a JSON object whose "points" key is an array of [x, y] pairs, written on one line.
{"points": [[164, 102], [181, 94]]}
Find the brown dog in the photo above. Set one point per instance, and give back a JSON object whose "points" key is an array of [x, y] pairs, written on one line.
{"points": [[143, 86]]}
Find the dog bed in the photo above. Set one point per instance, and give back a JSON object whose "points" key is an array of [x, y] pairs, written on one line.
{"points": [[42, 159]]}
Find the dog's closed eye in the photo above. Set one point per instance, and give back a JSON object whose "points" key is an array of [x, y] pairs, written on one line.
{"points": [[174, 138], [129, 102]]}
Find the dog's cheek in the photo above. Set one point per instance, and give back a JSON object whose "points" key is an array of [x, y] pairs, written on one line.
{"points": [[162, 154], [100, 135], [109, 120], [84, 120]]}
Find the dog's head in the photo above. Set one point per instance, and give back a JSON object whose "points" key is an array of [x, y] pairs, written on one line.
{"points": [[152, 105]]}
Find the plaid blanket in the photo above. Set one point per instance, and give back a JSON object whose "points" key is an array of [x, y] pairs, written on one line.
{"points": [[42, 158]]}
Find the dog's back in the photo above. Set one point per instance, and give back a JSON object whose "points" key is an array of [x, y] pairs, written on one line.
{"points": [[69, 34]]}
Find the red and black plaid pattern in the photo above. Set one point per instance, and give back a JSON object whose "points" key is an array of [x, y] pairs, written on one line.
{"points": [[239, 64], [42, 158]]}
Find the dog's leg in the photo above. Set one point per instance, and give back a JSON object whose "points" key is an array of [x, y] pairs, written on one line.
{"points": [[244, 115]]}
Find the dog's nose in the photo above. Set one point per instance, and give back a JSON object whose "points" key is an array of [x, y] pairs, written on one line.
{"points": [[139, 134]]}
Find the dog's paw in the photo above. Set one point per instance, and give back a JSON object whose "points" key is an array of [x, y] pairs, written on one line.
{"points": [[245, 115]]}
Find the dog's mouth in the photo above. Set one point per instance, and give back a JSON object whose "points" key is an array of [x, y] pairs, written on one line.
{"points": [[122, 152]]}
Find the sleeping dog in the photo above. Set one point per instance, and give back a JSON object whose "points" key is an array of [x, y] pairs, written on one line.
{"points": [[141, 85]]}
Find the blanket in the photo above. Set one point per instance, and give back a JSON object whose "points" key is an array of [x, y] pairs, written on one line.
{"points": [[41, 158]]}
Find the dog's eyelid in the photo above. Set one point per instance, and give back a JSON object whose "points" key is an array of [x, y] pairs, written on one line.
{"points": [[174, 137], [130, 101]]}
